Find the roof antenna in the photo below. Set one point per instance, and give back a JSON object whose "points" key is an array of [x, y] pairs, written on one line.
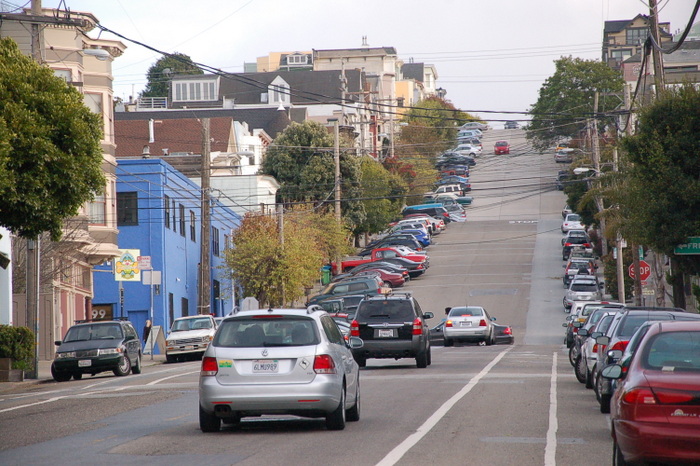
{"points": [[364, 41]]}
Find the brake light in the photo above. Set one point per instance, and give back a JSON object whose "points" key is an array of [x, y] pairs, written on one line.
{"points": [[448, 323], [620, 345], [639, 396], [673, 398], [417, 327], [355, 329], [209, 366], [508, 331], [595, 347], [324, 364], [482, 323]]}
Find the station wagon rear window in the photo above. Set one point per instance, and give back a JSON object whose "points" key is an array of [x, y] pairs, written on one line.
{"points": [[266, 331]]}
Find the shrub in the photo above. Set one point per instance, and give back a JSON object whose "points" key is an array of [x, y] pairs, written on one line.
{"points": [[17, 343]]}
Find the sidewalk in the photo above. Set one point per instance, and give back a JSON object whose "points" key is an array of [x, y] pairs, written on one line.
{"points": [[44, 375]]}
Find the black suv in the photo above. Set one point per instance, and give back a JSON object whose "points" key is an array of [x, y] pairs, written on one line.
{"points": [[392, 326], [93, 347]]}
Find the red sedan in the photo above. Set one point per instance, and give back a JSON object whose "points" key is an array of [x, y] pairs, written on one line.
{"points": [[501, 147], [655, 410]]}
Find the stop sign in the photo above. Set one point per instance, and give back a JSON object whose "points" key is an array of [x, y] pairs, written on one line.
{"points": [[644, 270]]}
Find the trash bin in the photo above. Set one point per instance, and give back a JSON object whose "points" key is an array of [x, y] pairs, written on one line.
{"points": [[325, 275]]}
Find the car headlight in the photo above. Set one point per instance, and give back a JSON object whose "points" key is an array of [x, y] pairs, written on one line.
{"points": [[67, 354], [109, 351], [170, 342], [207, 339]]}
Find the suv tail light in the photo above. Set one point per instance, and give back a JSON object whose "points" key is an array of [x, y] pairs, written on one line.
{"points": [[508, 331], [417, 326], [482, 323], [323, 364], [355, 329], [209, 366]]}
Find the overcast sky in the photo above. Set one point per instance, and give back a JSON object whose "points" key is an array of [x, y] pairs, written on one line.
{"points": [[490, 55]]}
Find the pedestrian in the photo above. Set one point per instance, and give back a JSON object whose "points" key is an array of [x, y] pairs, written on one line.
{"points": [[146, 331]]}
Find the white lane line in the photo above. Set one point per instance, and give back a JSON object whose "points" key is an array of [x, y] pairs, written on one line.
{"points": [[50, 400], [401, 449], [172, 377], [550, 450]]}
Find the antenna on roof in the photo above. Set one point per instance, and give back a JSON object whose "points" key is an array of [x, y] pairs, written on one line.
{"points": [[364, 41]]}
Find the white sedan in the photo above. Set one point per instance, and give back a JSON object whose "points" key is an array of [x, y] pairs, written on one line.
{"points": [[572, 222]]}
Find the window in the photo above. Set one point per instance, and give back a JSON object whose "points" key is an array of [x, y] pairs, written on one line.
{"points": [[98, 210], [216, 295], [636, 36], [174, 216], [127, 208], [227, 242], [63, 74], [193, 222], [166, 204], [278, 91], [93, 102], [297, 60], [215, 240], [182, 220], [195, 91], [185, 307]]}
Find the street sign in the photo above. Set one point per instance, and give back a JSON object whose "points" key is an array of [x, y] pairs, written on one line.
{"points": [[144, 262], [691, 247], [644, 270]]}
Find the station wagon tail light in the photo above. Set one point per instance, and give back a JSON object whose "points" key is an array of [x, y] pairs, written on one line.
{"points": [[209, 366], [595, 347], [508, 331], [448, 323], [417, 327], [482, 323], [323, 364], [354, 329]]}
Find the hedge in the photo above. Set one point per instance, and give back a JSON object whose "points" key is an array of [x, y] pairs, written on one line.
{"points": [[17, 343]]}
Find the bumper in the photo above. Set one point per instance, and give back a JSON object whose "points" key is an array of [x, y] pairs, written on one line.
{"points": [[317, 398], [173, 350], [651, 442], [384, 349], [466, 334], [88, 365]]}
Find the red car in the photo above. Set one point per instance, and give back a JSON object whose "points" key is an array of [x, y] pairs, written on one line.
{"points": [[501, 147], [655, 410]]}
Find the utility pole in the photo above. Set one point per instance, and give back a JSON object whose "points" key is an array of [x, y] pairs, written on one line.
{"points": [[656, 53], [205, 249], [595, 146], [280, 229], [336, 158]]}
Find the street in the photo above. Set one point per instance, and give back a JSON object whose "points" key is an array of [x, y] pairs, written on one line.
{"points": [[496, 405]]}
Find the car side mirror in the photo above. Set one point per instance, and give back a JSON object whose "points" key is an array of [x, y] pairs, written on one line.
{"points": [[603, 340], [577, 324], [428, 315], [356, 342], [613, 371], [565, 324], [583, 332], [493, 319]]}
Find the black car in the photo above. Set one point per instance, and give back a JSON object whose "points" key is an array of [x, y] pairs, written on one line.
{"points": [[392, 326], [94, 347]]}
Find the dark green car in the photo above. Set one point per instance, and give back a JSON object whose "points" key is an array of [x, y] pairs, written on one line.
{"points": [[94, 347]]}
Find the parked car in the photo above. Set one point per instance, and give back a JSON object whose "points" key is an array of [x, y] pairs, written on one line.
{"points": [[468, 149], [457, 213], [346, 304], [566, 211], [562, 180], [94, 347], [625, 323], [501, 147], [574, 233], [572, 222], [392, 326], [189, 337], [587, 354], [510, 124], [655, 410], [369, 285], [564, 156], [469, 323], [279, 361], [583, 288], [475, 125], [578, 266]]}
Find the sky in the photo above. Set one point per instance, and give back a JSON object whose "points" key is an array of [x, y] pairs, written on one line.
{"points": [[490, 55]]}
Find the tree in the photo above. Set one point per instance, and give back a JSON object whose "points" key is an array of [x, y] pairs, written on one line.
{"points": [[302, 161], [50, 155], [566, 99], [159, 73], [382, 196]]}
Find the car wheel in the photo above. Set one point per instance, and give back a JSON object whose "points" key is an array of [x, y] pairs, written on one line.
{"points": [[60, 376], [386, 285], [124, 367], [422, 360], [489, 340], [448, 342], [208, 422], [580, 369], [169, 358], [618, 459], [573, 355], [136, 368], [482, 343], [77, 375], [336, 419], [353, 414], [603, 399]]}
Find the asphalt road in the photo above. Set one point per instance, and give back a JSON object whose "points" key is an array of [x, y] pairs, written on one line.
{"points": [[498, 405]]}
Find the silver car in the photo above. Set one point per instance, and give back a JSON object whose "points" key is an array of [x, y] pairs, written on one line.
{"points": [[469, 323], [279, 361], [583, 288]]}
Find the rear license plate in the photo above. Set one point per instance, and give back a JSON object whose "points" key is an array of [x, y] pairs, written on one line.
{"points": [[465, 324], [84, 362], [385, 333], [265, 366]]}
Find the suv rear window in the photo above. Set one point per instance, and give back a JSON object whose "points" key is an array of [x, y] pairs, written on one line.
{"points": [[266, 331], [386, 309]]}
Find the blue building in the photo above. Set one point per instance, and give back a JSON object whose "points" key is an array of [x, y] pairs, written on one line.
{"points": [[158, 214]]}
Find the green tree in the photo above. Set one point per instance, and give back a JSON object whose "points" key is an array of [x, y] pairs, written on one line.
{"points": [[302, 161], [566, 99], [382, 196], [159, 74], [50, 155]]}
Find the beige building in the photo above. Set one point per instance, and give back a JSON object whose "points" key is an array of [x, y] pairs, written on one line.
{"points": [[91, 238], [625, 38]]}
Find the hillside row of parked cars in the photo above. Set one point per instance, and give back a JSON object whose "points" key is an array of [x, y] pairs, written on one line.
{"points": [[642, 363]]}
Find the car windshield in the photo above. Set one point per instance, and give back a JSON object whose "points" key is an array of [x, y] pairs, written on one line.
{"points": [[466, 311], [673, 351], [266, 331], [94, 332], [385, 309], [584, 286], [501, 143], [184, 325]]}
